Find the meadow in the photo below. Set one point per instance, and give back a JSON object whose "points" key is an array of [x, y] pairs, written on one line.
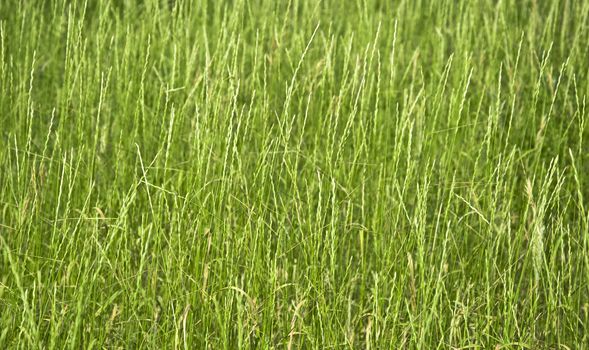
{"points": [[334, 174]]}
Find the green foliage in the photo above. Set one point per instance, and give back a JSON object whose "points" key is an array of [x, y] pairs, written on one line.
{"points": [[294, 174]]}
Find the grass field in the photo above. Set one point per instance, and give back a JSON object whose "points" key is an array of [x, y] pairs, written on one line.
{"points": [[362, 174]]}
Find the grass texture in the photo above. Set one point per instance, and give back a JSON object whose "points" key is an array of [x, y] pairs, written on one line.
{"points": [[361, 174]]}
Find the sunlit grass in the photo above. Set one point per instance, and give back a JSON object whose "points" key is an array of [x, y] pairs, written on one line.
{"points": [[304, 174]]}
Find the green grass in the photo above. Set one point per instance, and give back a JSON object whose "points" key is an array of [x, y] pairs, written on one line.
{"points": [[306, 174]]}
